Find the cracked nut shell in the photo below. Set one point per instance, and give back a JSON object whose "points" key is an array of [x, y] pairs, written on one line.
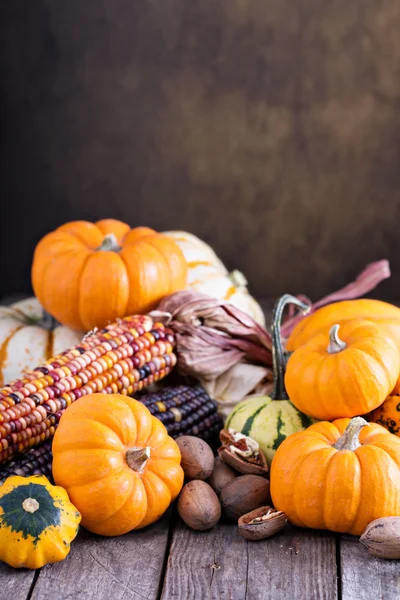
{"points": [[197, 458], [198, 505], [240, 465], [382, 537], [261, 523], [244, 494], [222, 475]]}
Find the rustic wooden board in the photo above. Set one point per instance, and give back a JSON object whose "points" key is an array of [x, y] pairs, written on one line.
{"points": [[15, 583], [364, 577], [128, 567], [220, 564]]}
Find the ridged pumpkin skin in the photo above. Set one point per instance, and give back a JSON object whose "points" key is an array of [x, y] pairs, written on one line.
{"points": [[267, 421], [90, 460], [382, 313], [320, 487], [28, 340], [326, 382], [388, 414], [37, 522], [89, 274]]}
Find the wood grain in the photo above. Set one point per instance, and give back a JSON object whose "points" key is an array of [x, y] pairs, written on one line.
{"points": [[129, 566], [364, 577], [15, 583], [219, 564]]}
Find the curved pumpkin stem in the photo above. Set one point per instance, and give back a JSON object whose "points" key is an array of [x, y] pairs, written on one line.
{"points": [[109, 244], [350, 438], [137, 458], [278, 359], [335, 343]]}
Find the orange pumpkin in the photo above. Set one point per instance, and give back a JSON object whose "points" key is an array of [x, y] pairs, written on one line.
{"points": [[323, 319], [88, 274], [332, 476], [117, 462], [332, 376]]}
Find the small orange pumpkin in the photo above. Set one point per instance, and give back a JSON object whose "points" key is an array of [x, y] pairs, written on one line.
{"points": [[322, 320], [332, 376], [88, 274], [117, 462], [334, 476]]}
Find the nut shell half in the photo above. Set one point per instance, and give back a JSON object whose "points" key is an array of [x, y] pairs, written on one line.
{"points": [[382, 537], [242, 466], [274, 521]]}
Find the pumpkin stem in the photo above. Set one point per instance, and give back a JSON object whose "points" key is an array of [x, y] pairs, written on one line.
{"points": [[47, 321], [335, 343], [30, 505], [238, 279], [278, 357], [350, 438], [137, 458], [109, 244]]}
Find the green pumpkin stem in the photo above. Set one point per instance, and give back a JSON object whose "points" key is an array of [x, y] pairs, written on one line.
{"points": [[336, 345], [350, 438], [47, 321], [109, 244], [137, 458], [278, 358]]}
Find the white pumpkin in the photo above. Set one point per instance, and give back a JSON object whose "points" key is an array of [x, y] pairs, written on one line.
{"points": [[208, 274], [28, 338]]}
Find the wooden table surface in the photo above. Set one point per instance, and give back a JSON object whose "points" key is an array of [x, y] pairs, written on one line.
{"points": [[168, 560]]}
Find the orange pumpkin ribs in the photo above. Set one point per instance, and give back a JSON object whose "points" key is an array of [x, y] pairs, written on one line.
{"points": [[124, 358]]}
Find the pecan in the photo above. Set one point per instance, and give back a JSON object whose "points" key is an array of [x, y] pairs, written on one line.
{"points": [[261, 523], [242, 453]]}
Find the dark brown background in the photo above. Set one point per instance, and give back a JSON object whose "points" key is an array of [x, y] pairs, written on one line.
{"points": [[270, 128]]}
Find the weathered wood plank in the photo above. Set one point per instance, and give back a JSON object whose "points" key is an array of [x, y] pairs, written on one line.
{"points": [[364, 577], [15, 583], [127, 567], [219, 564]]}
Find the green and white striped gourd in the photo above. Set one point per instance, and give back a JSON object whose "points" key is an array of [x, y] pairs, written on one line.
{"points": [[271, 419]]}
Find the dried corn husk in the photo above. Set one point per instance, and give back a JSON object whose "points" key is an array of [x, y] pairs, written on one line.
{"points": [[373, 274], [219, 345], [229, 352]]}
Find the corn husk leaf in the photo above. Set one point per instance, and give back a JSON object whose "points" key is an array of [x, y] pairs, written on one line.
{"points": [[212, 335], [226, 350]]}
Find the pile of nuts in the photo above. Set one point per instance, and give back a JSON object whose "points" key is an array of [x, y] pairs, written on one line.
{"points": [[234, 485]]}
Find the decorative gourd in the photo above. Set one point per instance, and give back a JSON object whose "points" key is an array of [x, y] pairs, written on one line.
{"points": [[346, 373], [322, 320], [117, 462], [270, 419], [37, 522], [28, 337], [338, 476], [87, 275], [207, 274], [388, 414]]}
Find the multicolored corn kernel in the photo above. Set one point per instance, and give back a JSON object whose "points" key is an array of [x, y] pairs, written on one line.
{"points": [[124, 358]]}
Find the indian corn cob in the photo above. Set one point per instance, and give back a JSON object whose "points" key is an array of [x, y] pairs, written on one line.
{"points": [[36, 461], [184, 410], [124, 357]]}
